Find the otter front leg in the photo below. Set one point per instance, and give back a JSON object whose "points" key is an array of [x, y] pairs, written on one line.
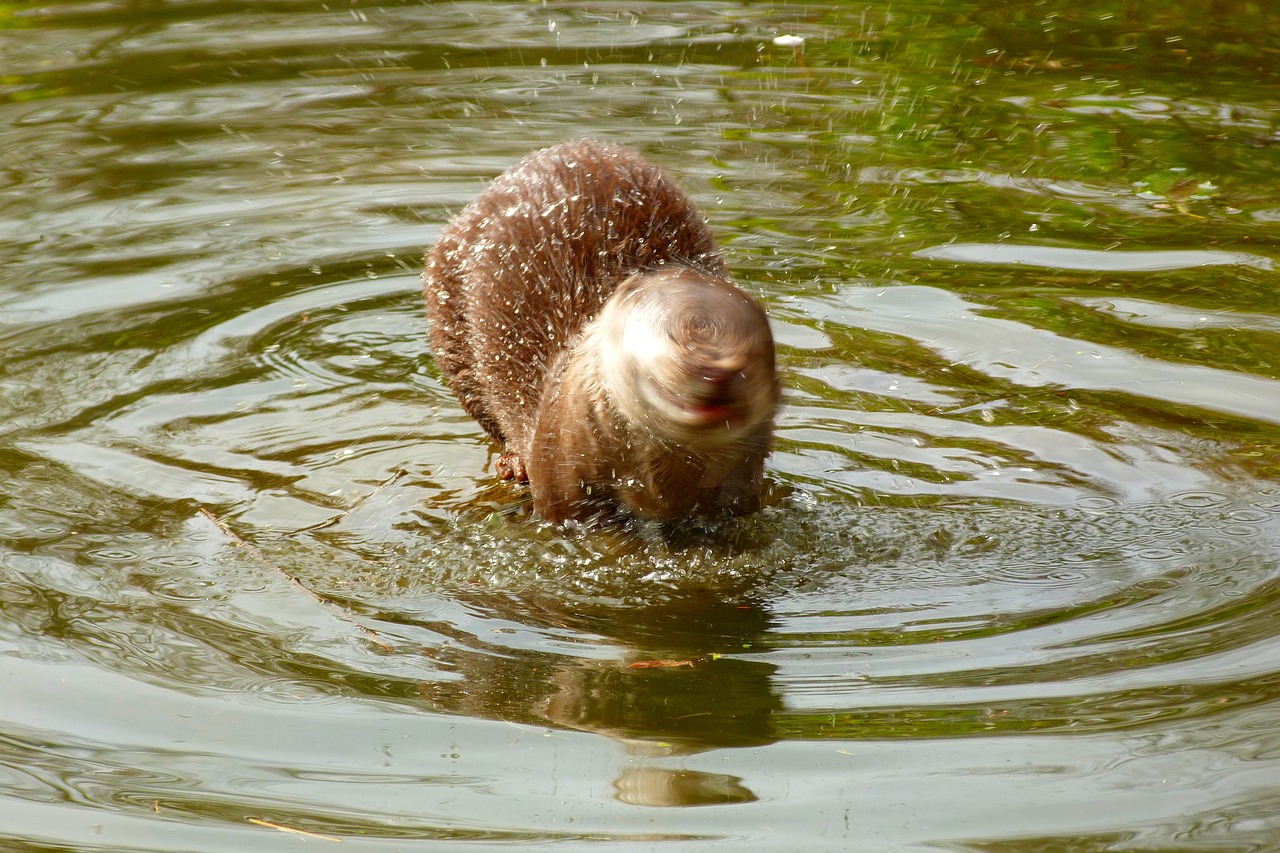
{"points": [[562, 499], [511, 467], [740, 491]]}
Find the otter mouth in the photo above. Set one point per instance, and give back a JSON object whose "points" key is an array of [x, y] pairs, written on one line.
{"points": [[718, 409], [730, 417]]}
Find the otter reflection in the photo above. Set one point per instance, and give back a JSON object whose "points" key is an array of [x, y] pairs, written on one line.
{"points": [[661, 685]]}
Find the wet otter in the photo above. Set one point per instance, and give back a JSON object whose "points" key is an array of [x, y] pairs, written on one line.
{"points": [[580, 311]]}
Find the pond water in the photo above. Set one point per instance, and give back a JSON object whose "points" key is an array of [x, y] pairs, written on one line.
{"points": [[1017, 585]]}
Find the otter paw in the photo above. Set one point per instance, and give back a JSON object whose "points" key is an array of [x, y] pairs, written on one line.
{"points": [[511, 467]]}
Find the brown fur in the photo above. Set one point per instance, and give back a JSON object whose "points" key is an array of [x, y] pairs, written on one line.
{"points": [[512, 288]]}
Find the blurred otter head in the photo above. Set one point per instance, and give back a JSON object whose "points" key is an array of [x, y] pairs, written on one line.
{"points": [[687, 356]]}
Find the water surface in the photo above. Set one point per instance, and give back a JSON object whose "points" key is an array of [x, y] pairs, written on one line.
{"points": [[1017, 585]]}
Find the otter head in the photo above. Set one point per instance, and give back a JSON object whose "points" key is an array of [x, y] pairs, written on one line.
{"points": [[686, 356]]}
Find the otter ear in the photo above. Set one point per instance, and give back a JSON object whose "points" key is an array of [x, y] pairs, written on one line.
{"points": [[656, 276], [630, 284]]}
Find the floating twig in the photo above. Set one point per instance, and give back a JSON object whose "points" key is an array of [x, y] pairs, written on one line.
{"points": [[340, 611], [290, 829]]}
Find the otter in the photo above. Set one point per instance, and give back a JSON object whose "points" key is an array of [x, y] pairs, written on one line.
{"points": [[581, 312]]}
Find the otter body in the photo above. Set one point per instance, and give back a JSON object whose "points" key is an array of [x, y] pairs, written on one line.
{"points": [[580, 311]]}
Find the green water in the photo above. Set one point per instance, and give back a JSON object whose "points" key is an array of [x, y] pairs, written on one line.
{"points": [[1017, 585]]}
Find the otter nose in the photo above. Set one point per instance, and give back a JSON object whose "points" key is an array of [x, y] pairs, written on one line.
{"points": [[719, 366], [717, 374]]}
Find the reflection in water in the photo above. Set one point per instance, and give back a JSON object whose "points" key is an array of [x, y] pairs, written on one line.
{"points": [[657, 786], [665, 687]]}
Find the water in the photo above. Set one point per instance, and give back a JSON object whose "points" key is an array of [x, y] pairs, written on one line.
{"points": [[1018, 579]]}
